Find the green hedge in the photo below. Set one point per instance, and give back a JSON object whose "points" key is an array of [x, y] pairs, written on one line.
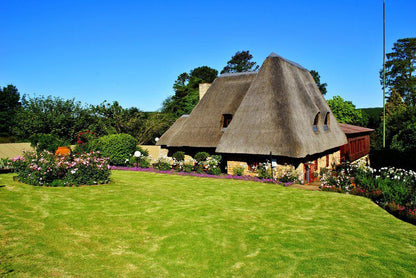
{"points": [[118, 147]]}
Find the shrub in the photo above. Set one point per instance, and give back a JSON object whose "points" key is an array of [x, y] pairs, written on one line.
{"points": [[86, 142], [238, 171], [213, 165], [48, 142], [163, 164], [143, 151], [144, 162], [288, 174], [118, 147], [200, 157], [188, 167], [44, 168], [263, 172], [179, 156]]}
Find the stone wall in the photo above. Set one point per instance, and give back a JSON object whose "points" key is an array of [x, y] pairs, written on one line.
{"points": [[155, 152], [11, 150]]}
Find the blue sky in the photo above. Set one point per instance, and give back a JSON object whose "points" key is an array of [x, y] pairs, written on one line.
{"points": [[133, 51]]}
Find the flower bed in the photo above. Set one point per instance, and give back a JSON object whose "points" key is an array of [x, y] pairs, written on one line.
{"points": [[45, 169], [391, 188]]}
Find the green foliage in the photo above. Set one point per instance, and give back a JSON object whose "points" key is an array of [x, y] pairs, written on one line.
{"points": [[55, 116], [86, 142], [188, 167], [154, 124], [240, 62], [143, 151], [162, 164], [179, 156], [118, 147], [263, 172], [144, 162], [317, 78], [288, 174], [373, 116], [47, 142], [238, 171], [345, 112], [43, 168], [201, 157], [213, 165], [401, 130], [401, 70], [186, 89], [9, 105], [204, 73]]}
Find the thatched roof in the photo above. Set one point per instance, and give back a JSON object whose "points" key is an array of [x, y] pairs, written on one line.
{"points": [[203, 126], [273, 111], [172, 131]]}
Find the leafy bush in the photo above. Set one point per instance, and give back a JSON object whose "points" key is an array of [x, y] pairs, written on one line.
{"points": [[263, 172], [86, 142], [144, 162], [392, 188], [288, 174], [118, 147], [163, 164], [48, 142], [43, 168], [200, 157], [188, 167], [238, 171], [213, 165], [179, 156]]}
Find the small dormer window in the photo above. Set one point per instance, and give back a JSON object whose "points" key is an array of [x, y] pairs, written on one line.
{"points": [[226, 120], [316, 122], [326, 122]]}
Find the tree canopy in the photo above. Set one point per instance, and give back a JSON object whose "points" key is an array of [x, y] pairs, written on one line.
{"points": [[345, 112], [317, 78], [9, 103], [401, 70], [240, 62], [186, 89]]}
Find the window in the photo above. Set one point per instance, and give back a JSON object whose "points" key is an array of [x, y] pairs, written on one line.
{"points": [[326, 122], [316, 122], [226, 120]]}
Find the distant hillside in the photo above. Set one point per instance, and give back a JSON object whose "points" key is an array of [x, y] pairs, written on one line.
{"points": [[373, 115]]}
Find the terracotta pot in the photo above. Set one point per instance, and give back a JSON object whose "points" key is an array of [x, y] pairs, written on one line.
{"points": [[63, 151]]}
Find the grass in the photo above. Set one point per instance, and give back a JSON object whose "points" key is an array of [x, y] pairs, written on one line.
{"points": [[147, 224]]}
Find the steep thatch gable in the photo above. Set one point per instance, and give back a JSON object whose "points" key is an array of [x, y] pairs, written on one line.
{"points": [[278, 110], [203, 126], [277, 115]]}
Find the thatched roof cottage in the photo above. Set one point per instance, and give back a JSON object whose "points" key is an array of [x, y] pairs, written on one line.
{"points": [[277, 112]]}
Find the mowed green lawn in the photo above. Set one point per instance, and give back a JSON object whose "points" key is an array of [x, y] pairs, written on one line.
{"points": [[147, 224]]}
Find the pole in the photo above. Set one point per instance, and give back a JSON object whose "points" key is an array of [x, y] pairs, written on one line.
{"points": [[271, 165], [384, 74]]}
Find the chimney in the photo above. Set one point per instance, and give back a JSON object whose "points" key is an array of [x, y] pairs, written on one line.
{"points": [[203, 88]]}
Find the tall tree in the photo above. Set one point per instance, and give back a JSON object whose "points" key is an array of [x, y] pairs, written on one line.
{"points": [[206, 74], [9, 103], [55, 116], [317, 78], [240, 62], [186, 89], [401, 69], [395, 103], [345, 112]]}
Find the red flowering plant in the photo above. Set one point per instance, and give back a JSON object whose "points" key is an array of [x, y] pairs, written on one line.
{"points": [[86, 141]]}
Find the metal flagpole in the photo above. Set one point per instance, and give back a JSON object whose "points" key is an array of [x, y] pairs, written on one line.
{"points": [[384, 74]]}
